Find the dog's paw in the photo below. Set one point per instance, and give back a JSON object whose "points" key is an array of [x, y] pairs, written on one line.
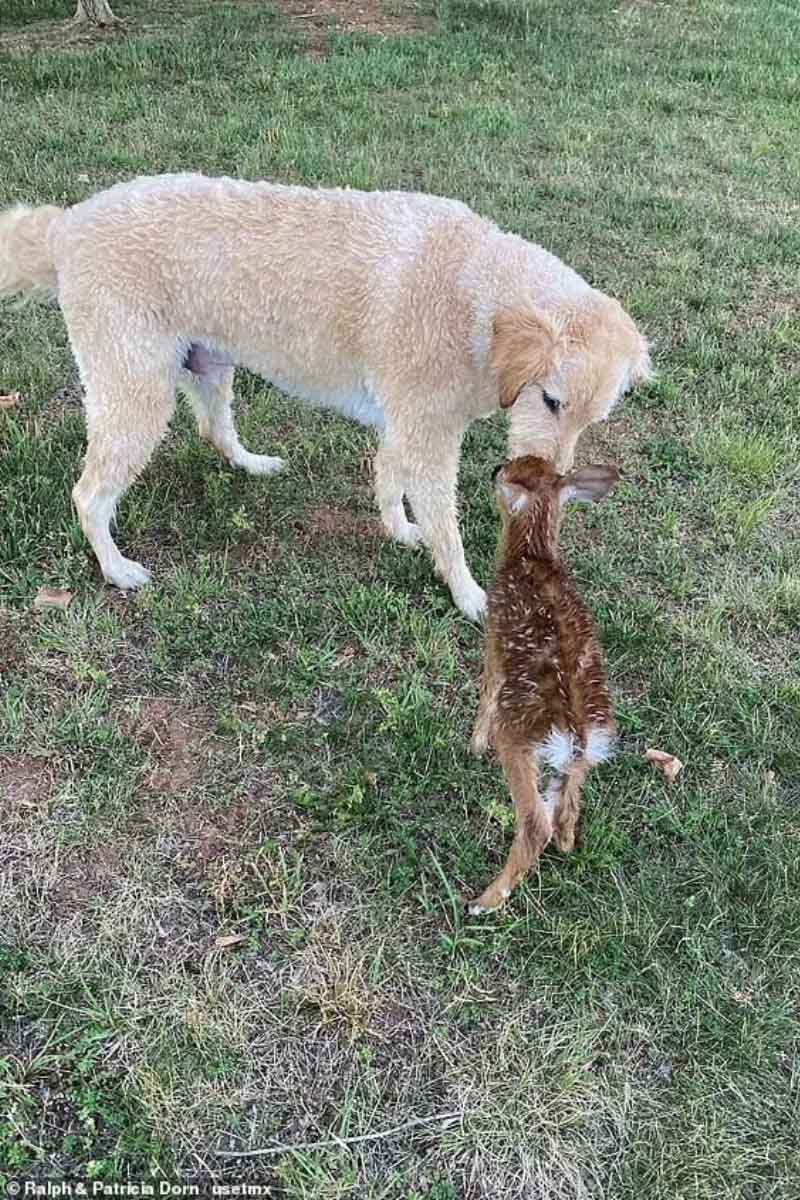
{"points": [[408, 534], [127, 574], [259, 464], [472, 602]]}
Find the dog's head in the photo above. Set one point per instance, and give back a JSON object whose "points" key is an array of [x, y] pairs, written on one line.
{"points": [[564, 373]]}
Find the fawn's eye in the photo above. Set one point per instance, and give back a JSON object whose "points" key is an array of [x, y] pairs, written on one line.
{"points": [[552, 402]]}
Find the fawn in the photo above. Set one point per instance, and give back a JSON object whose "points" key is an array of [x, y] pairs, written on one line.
{"points": [[544, 695]]}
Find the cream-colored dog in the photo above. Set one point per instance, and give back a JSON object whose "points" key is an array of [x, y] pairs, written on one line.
{"points": [[407, 312]]}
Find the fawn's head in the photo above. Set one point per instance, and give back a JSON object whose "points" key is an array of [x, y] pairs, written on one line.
{"points": [[530, 495]]}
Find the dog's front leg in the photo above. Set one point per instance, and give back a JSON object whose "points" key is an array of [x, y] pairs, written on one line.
{"points": [[431, 469], [389, 490]]}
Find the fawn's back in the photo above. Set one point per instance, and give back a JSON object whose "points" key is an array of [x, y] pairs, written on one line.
{"points": [[548, 654]]}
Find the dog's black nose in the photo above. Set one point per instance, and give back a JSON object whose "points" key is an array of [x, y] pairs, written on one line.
{"points": [[497, 470]]}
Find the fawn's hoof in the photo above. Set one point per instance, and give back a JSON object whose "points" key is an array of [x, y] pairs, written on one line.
{"points": [[564, 840], [489, 901]]}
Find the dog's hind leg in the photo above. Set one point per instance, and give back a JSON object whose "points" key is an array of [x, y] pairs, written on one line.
{"points": [[130, 397], [210, 393], [123, 430]]}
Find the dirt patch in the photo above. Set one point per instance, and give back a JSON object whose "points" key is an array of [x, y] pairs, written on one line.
{"points": [[173, 736], [340, 522], [86, 874], [209, 835], [66, 34], [359, 16], [316, 17], [143, 17], [761, 308], [12, 643], [25, 781]]}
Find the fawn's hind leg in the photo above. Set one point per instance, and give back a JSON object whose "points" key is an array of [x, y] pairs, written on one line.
{"points": [[534, 825], [491, 682], [564, 801]]}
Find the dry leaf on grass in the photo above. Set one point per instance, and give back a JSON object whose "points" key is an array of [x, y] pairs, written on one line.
{"points": [[9, 399], [667, 763], [52, 598], [228, 939]]}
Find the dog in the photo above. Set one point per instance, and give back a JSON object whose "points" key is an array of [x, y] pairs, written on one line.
{"points": [[405, 311], [544, 695]]}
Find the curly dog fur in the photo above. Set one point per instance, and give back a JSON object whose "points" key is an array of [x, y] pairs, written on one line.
{"points": [[407, 312]]}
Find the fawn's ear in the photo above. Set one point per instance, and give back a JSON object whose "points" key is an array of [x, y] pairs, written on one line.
{"points": [[514, 498], [527, 346], [588, 484]]}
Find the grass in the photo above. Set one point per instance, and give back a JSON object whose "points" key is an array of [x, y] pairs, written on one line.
{"points": [[271, 741]]}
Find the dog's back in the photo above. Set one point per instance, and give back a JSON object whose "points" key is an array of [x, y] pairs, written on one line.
{"points": [[306, 287]]}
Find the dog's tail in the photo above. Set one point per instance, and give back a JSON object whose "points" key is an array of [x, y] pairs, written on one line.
{"points": [[25, 259]]}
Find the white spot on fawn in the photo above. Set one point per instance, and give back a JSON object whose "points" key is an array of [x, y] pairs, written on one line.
{"points": [[558, 749], [598, 744]]}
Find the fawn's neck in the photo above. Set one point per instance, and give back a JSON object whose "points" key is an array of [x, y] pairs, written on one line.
{"points": [[532, 537]]}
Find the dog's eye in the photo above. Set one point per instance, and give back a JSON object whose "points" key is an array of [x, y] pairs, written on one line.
{"points": [[497, 470], [552, 402]]}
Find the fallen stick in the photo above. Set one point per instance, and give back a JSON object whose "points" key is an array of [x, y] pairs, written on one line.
{"points": [[336, 1141]]}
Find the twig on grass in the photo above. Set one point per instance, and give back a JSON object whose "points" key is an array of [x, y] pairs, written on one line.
{"points": [[336, 1141]]}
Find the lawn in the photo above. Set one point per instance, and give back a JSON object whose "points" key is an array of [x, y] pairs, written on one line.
{"points": [[270, 743]]}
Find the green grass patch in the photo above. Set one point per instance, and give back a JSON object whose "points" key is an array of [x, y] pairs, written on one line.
{"points": [[270, 743]]}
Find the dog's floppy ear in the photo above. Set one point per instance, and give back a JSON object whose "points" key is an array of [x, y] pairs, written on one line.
{"points": [[527, 346]]}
